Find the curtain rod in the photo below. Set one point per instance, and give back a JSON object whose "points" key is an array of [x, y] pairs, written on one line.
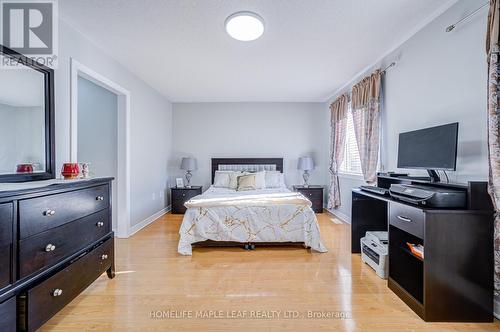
{"points": [[453, 26], [389, 66]]}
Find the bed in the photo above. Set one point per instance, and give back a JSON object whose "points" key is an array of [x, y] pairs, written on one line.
{"points": [[265, 216]]}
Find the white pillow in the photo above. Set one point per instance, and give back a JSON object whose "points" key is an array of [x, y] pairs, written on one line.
{"points": [[260, 180], [222, 179], [273, 179]]}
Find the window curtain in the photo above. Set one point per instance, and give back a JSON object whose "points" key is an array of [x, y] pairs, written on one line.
{"points": [[338, 122], [366, 119], [492, 50]]}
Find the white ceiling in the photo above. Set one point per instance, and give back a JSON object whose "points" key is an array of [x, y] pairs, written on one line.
{"points": [[309, 49]]}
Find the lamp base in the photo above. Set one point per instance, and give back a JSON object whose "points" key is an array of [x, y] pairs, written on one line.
{"points": [[306, 179], [188, 179]]}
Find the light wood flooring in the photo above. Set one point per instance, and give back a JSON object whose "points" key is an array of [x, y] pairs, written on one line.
{"points": [[231, 282]]}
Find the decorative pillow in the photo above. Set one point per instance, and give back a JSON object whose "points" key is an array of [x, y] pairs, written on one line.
{"points": [[273, 179], [233, 179], [222, 179], [226, 179], [246, 182]]}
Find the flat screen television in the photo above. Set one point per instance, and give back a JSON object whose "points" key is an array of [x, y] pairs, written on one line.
{"points": [[432, 149]]}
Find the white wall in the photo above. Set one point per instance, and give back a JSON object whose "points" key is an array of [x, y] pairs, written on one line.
{"points": [[98, 132], [150, 122], [439, 78], [288, 130]]}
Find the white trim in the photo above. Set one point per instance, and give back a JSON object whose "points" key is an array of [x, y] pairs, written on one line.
{"points": [[496, 308], [137, 227], [353, 176], [342, 216], [123, 178], [413, 32]]}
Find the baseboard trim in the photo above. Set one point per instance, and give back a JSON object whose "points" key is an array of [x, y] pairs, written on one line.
{"points": [[496, 308], [342, 216], [137, 227]]}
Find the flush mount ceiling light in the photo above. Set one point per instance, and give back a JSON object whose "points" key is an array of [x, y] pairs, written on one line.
{"points": [[245, 26]]}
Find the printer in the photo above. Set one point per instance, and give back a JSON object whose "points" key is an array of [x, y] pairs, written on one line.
{"points": [[374, 252], [430, 196]]}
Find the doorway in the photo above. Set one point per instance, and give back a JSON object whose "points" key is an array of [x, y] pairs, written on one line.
{"points": [[97, 141], [100, 112]]}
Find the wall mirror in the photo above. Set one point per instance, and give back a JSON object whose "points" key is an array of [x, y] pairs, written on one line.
{"points": [[26, 119]]}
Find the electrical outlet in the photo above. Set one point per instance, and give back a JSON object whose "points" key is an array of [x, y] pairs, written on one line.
{"points": [[161, 193], [154, 196]]}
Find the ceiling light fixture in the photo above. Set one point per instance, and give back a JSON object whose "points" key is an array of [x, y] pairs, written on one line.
{"points": [[245, 26]]}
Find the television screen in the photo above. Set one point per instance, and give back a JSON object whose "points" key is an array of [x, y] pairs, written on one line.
{"points": [[430, 148]]}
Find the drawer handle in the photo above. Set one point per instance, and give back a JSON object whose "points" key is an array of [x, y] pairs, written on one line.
{"points": [[99, 198], [310, 194], [104, 257], [50, 247], [100, 224], [406, 219], [57, 292], [49, 213], [183, 195]]}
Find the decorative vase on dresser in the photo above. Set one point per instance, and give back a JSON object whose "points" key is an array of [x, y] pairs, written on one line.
{"points": [[56, 240], [181, 195]]}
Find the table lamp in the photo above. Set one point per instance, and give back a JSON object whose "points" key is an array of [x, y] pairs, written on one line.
{"points": [[305, 164], [189, 164]]}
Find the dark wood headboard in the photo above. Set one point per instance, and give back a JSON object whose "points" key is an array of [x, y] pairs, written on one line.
{"points": [[246, 161]]}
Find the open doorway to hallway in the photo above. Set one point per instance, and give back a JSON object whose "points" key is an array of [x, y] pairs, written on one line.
{"points": [[100, 134], [97, 141]]}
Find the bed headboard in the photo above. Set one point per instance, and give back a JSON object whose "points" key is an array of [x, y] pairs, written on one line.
{"points": [[246, 164]]}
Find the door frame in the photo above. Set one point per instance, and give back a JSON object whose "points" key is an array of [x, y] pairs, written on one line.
{"points": [[123, 179]]}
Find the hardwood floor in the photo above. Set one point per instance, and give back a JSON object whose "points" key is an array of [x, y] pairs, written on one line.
{"points": [[153, 278]]}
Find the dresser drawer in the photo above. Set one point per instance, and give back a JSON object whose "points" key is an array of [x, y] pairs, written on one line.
{"points": [[8, 315], [47, 298], [6, 224], [40, 214], [407, 218], [49, 247]]}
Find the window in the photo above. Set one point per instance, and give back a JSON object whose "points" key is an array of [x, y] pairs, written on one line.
{"points": [[351, 163]]}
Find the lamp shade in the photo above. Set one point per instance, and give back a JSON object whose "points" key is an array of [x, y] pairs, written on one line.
{"points": [[189, 164], [305, 164]]}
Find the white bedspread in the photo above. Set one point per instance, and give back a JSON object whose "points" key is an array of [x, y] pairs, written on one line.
{"points": [[267, 215]]}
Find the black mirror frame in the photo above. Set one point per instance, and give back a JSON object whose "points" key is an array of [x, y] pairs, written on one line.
{"points": [[50, 157]]}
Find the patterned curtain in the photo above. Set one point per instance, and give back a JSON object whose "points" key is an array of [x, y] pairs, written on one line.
{"points": [[366, 120], [338, 122], [492, 50]]}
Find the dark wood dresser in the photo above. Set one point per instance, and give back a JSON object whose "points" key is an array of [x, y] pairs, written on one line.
{"points": [[55, 240], [181, 195], [314, 194]]}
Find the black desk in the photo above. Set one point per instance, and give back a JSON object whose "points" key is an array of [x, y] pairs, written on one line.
{"points": [[454, 281]]}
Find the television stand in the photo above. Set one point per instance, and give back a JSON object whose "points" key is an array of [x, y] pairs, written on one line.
{"points": [[454, 280]]}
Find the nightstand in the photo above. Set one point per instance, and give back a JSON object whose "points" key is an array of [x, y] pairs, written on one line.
{"points": [[314, 194], [181, 195]]}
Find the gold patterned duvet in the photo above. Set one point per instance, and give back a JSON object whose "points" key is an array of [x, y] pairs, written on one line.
{"points": [[268, 215]]}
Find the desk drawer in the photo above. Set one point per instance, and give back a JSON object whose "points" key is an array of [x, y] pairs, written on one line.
{"points": [[48, 248], [43, 301], [6, 222], [8, 315], [407, 218], [40, 214]]}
